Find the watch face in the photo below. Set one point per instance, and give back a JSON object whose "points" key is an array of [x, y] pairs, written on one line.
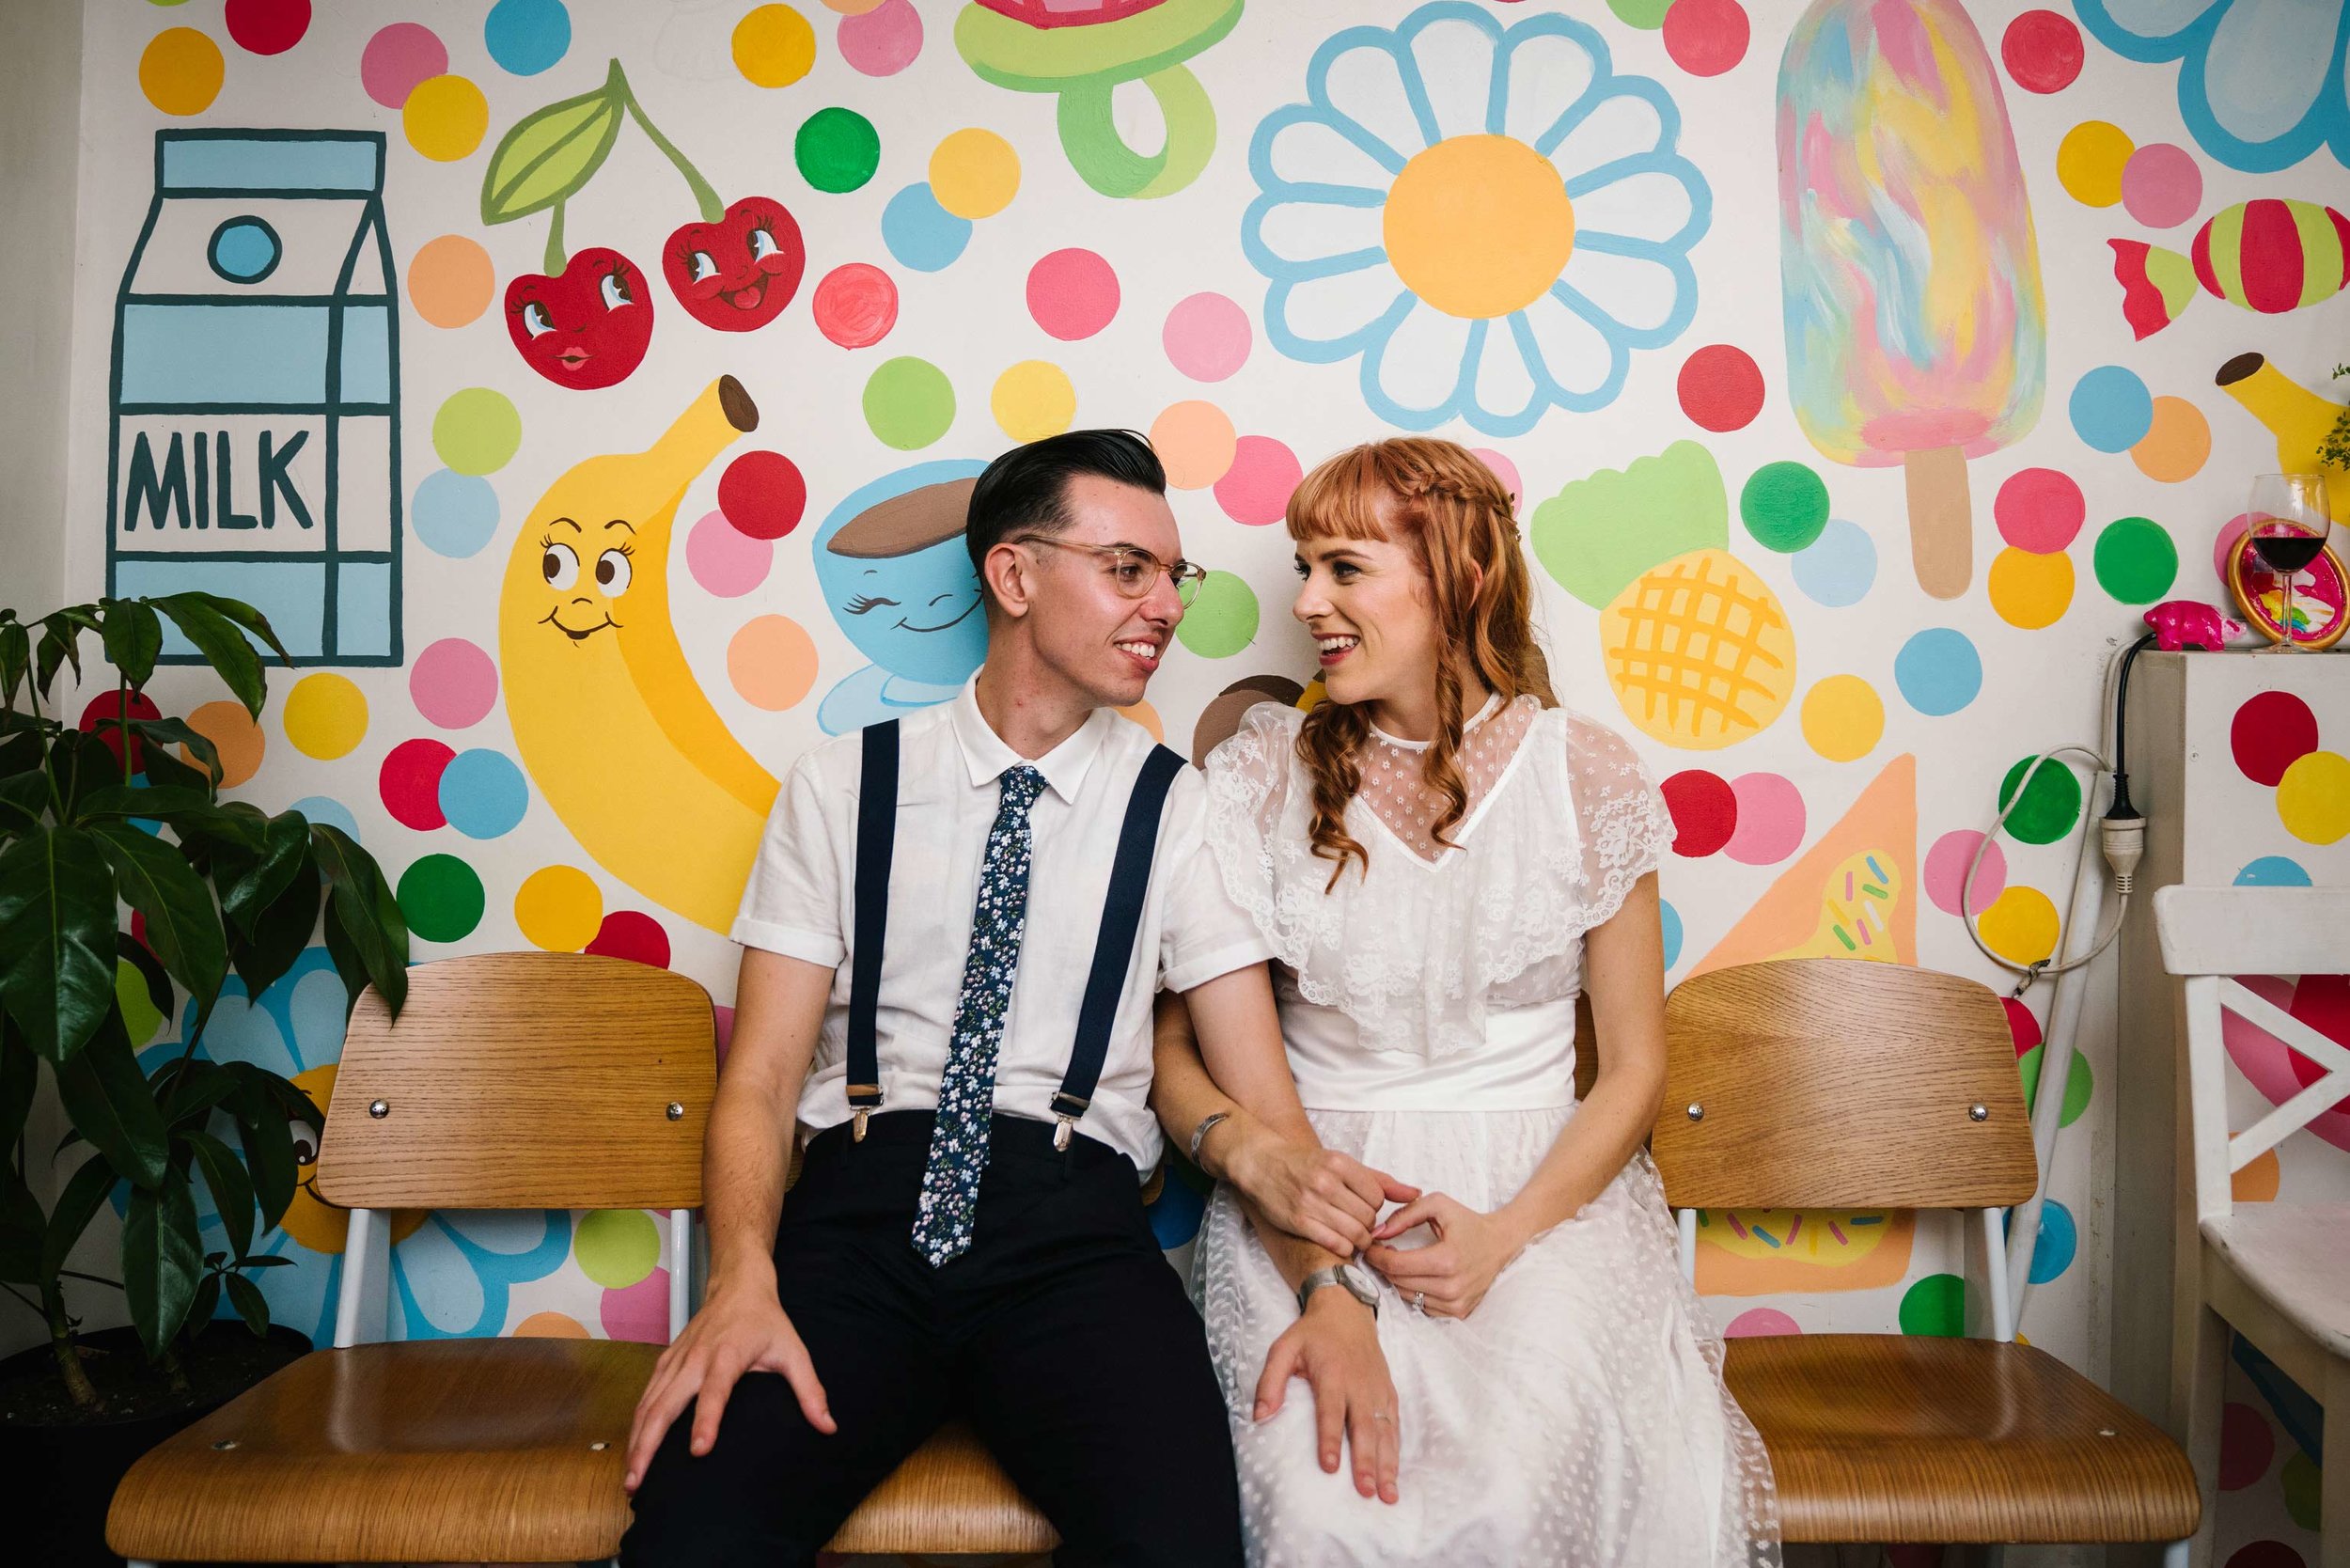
{"points": [[1356, 1285]]}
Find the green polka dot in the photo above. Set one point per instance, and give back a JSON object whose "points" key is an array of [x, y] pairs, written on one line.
{"points": [[1222, 620], [1935, 1304], [2299, 1477], [141, 1017], [442, 898], [909, 402], [1649, 14], [616, 1248], [2079, 1084], [477, 431], [2137, 562], [838, 149], [2049, 809], [1784, 506]]}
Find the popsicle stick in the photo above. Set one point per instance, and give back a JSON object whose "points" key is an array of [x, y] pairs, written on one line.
{"points": [[1941, 520]]}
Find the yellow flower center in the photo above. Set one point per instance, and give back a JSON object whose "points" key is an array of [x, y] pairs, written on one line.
{"points": [[1478, 225]]}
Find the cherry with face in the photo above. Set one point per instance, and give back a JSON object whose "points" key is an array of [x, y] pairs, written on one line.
{"points": [[586, 328], [738, 273]]}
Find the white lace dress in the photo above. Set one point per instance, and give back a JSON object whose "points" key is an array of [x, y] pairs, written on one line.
{"points": [[1579, 1416]]}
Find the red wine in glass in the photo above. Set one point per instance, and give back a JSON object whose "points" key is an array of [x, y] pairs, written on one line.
{"points": [[2289, 525], [2287, 552]]}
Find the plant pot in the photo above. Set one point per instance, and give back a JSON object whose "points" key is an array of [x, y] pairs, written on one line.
{"points": [[72, 1462]]}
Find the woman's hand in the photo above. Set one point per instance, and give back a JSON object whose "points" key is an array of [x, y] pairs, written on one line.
{"points": [[1334, 1345], [1450, 1277], [1318, 1193]]}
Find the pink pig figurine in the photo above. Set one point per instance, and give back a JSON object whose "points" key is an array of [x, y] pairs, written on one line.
{"points": [[2185, 624]]}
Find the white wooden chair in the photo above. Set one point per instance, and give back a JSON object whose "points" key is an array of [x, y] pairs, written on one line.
{"points": [[2279, 1274]]}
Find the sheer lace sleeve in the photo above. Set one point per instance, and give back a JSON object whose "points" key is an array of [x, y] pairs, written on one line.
{"points": [[1254, 785], [1618, 813]]}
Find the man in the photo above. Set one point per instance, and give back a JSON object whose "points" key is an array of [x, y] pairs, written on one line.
{"points": [[989, 1259]]}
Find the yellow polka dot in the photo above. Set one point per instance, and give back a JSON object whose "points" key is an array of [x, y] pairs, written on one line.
{"points": [[1147, 716], [2314, 798], [975, 173], [2089, 160], [1843, 718], [1033, 399], [2030, 591], [445, 117], [558, 908], [181, 72], [326, 714], [2020, 925], [774, 46], [1478, 225]]}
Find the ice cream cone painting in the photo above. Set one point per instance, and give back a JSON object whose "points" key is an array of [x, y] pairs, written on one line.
{"points": [[1910, 272]]}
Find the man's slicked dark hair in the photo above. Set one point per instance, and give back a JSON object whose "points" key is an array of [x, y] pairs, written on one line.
{"points": [[1027, 489]]}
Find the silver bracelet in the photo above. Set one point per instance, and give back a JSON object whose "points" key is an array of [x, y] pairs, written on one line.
{"points": [[1202, 1131]]}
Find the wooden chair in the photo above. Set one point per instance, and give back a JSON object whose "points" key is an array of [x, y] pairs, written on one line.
{"points": [[512, 1081], [2276, 1273], [1837, 1084]]}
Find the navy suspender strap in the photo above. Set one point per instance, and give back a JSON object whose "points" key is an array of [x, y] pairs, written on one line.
{"points": [[876, 839], [1122, 916]]}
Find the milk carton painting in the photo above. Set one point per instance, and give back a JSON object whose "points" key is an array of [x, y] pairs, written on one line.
{"points": [[255, 440]]}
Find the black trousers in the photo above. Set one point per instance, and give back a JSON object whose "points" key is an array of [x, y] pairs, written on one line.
{"points": [[1061, 1336]]}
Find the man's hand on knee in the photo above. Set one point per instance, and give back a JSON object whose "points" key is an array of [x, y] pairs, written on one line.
{"points": [[737, 1331]]}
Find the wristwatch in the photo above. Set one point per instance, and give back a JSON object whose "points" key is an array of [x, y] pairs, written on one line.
{"points": [[1345, 1276]]}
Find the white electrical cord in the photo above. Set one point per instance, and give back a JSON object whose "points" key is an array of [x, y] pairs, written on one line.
{"points": [[2123, 877]]}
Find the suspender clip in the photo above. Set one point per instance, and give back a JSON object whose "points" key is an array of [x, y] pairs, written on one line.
{"points": [[1062, 1134], [863, 1099], [1067, 1107], [857, 1129]]}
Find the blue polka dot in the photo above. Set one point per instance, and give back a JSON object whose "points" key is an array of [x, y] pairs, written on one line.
{"points": [[318, 809], [2111, 408], [526, 37], [2060, 1239], [454, 514], [1939, 671], [1176, 1214], [1837, 568], [920, 234], [2272, 870], [482, 793], [1670, 919]]}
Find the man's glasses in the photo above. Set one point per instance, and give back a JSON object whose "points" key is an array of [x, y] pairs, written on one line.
{"points": [[1132, 568]]}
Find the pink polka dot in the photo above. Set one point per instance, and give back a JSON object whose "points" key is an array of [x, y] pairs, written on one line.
{"points": [[1706, 38], [2161, 185], [1770, 819], [1073, 294], [1759, 1322], [628, 934], [453, 683], [410, 783], [723, 1021], [884, 40], [641, 1312], [2039, 509], [1504, 470], [2247, 1445], [398, 57], [855, 304], [2231, 539], [725, 561], [1946, 871], [1207, 336], [1256, 489]]}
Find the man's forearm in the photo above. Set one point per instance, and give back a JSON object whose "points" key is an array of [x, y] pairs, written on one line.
{"points": [[743, 1164]]}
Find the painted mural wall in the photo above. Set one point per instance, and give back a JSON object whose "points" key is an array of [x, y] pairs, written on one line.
{"points": [[1864, 369]]}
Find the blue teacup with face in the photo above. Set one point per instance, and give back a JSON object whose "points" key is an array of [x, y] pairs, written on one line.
{"points": [[891, 562]]}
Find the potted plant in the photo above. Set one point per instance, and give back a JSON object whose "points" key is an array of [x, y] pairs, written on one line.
{"points": [[97, 818]]}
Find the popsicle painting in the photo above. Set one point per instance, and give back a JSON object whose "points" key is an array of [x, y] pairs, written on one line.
{"points": [[1909, 273]]}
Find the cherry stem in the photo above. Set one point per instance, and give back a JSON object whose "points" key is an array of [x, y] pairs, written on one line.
{"points": [[704, 198], [553, 261]]}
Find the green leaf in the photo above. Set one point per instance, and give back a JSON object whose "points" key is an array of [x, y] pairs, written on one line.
{"points": [[171, 732], [266, 1261], [20, 1077], [250, 1304], [23, 800], [110, 1104], [280, 931], [162, 1259], [286, 848], [183, 927], [372, 926], [133, 636], [225, 1178], [154, 803], [165, 771], [267, 1138], [20, 1230], [552, 153], [206, 1305], [60, 644], [190, 1093], [56, 938], [76, 1206], [16, 659], [80, 765], [243, 615], [223, 646]]}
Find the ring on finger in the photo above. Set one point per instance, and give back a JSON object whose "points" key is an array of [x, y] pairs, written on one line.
{"points": [[1419, 1301], [1381, 1415]]}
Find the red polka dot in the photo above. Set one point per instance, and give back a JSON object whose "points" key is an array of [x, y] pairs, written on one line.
{"points": [[2270, 732], [1704, 809], [855, 304], [2322, 1002], [267, 26], [2043, 51], [2247, 1445], [762, 494], [1721, 386], [1706, 38], [1256, 489], [627, 933], [1073, 294], [99, 718], [410, 783], [2266, 1554], [2021, 1025], [2038, 510]]}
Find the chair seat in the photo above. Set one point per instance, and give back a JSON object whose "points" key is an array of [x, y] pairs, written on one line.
{"points": [[496, 1450], [950, 1497], [2291, 1256], [1909, 1438]]}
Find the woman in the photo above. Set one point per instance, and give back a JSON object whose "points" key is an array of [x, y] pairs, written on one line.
{"points": [[1444, 858]]}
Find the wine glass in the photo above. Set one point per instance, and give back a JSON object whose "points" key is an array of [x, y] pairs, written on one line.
{"points": [[2289, 525]]}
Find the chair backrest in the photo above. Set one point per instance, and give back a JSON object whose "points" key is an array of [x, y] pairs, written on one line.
{"points": [[2211, 934], [525, 1080], [1826, 1083]]}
